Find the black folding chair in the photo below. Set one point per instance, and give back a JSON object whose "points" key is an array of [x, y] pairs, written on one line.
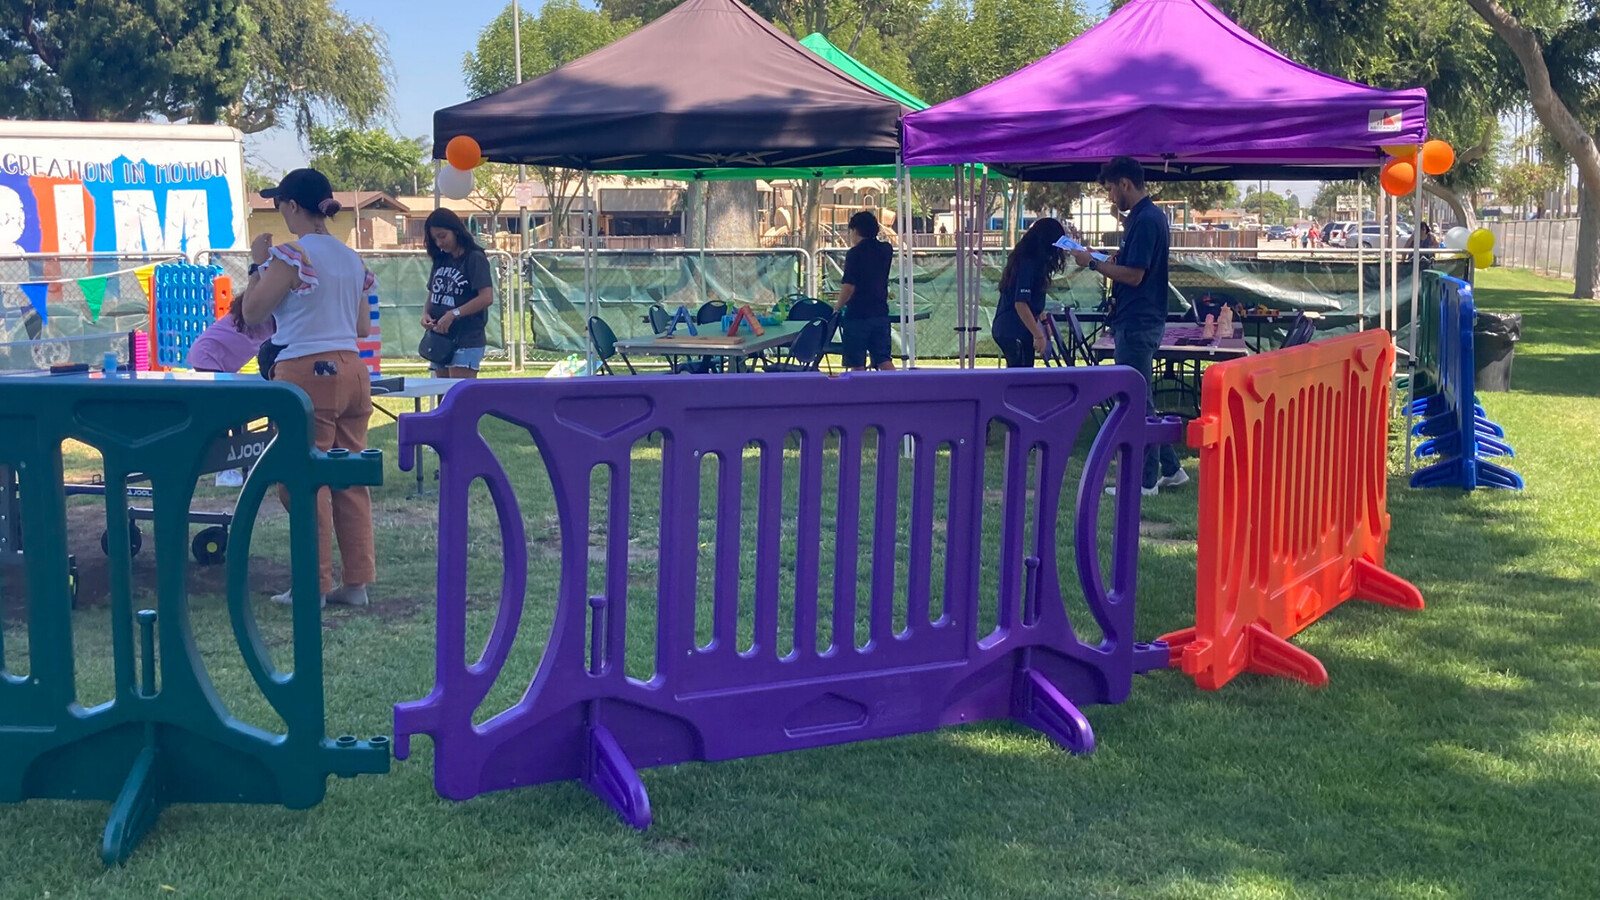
{"points": [[1301, 332], [806, 353], [805, 309], [604, 341]]}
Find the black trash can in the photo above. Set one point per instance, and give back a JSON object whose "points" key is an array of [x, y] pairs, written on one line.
{"points": [[1494, 343]]}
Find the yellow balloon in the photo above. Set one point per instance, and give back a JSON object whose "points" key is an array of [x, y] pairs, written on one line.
{"points": [[1400, 151], [1480, 241], [1483, 260]]}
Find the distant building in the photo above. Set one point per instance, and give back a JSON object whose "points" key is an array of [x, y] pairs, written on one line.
{"points": [[367, 220]]}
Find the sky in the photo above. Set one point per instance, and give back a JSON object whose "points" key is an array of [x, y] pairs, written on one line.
{"points": [[427, 48], [427, 41]]}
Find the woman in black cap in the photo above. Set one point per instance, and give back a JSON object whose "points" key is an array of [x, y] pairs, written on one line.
{"points": [[316, 288]]}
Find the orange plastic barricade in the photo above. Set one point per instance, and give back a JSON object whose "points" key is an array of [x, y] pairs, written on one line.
{"points": [[1293, 505]]}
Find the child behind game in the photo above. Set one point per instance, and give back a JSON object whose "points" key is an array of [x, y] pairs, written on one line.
{"points": [[229, 343]]}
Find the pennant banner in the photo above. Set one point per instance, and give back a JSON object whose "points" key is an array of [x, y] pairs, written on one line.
{"points": [[94, 294], [37, 294]]}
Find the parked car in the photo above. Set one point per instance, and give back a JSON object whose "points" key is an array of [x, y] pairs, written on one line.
{"points": [[1333, 234], [1371, 236], [1279, 233]]}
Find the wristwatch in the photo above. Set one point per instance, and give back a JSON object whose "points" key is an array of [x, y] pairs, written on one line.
{"points": [[1094, 266], [254, 267]]}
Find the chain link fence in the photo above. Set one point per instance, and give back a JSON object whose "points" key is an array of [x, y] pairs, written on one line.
{"points": [[71, 308]]}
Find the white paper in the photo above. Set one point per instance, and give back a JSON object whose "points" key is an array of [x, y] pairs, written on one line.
{"points": [[1067, 243]]}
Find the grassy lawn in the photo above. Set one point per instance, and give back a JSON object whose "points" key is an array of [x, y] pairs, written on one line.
{"points": [[1456, 752]]}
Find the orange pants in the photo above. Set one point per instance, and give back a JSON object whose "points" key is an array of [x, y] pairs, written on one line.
{"points": [[341, 398]]}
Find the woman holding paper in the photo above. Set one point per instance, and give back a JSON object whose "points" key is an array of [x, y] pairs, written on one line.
{"points": [[1023, 284]]}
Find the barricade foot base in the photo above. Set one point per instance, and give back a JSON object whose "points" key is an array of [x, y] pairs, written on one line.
{"points": [[612, 778], [137, 808], [1378, 585], [1491, 475], [1149, 657], [1268, 654], [1037, 704]]}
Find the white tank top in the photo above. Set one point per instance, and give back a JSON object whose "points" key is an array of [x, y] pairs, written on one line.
{"points": [[320, 315]]}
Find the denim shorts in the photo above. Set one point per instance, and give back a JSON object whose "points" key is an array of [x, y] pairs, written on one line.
{"points": [[466, 358]]}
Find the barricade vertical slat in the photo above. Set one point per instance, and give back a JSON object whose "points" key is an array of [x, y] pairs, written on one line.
{"points": [[1301, 435], [885, 525], [680, 523], [730, 522], [618, 547], [1013, 514], [119, 577], [708, 706], [769, 538], [807, 577], [919, 578], [846, 542]]}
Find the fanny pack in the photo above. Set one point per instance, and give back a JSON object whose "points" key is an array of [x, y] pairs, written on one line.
{"points": [[437, 348], [267, 357]]}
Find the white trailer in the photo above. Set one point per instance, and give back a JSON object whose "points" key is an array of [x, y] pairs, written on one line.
{"points": [[137, 188]]}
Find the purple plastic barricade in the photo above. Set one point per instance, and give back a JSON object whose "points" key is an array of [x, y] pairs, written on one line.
{"points": [[583, 717]]}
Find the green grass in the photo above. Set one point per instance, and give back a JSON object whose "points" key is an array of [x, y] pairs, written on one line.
{"points": [[1456, 752]]}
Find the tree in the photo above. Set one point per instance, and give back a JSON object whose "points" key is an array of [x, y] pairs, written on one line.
{"points": [[965, 44], [119, 60], [562, 31], [1325, 207], [306, 63], [1525, 184], [1200, 195], [1564, 102], [375, 160], [1399, 44], [256, 181]]}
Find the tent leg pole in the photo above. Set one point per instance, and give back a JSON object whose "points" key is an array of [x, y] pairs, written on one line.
{"points": [[1416, 292], [1361, 270]]}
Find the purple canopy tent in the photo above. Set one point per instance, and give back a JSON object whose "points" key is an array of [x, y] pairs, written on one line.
{"points": [[1178, 86]]}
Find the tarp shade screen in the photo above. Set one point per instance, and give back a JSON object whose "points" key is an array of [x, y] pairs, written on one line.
{"points": [[850, 66], [1178, 86], [711, 84]]}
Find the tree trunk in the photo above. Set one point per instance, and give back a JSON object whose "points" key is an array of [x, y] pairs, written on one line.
{"points": [[1466, 216], [732, 211], [1586, 279], [694, 210]]}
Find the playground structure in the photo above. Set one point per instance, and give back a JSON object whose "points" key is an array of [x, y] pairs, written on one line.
{"points": [[165, 737]]}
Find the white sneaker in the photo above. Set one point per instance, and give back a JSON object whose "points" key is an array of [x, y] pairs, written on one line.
{"points": [[287, 599], [348, 595], [1173, 480], [1146, 491], [230, 478]]}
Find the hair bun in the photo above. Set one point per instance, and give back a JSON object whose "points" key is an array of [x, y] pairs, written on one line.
{"points": [[329, 207]]}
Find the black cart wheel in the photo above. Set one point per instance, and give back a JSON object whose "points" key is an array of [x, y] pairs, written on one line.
{"points": [[210, 546], [135, 540]]}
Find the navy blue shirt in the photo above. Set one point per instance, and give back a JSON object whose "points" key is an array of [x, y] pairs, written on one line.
{"points": [[866, 268], [1145, 242], [1027, 287]]}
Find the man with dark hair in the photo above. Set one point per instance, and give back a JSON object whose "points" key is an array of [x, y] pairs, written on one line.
{"points": [[1138, 313], [864, 296]]}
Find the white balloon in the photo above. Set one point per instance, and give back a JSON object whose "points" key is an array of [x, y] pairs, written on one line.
{"points": [[1456, 238], [457, 184]]}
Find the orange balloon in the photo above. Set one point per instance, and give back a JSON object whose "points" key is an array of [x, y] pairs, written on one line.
{"points": [[1400, 151], [463, 153], [1437, 157], [1398, 177]]}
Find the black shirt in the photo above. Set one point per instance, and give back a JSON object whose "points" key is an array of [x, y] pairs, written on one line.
{"points": [[866, 267], [1145, 242], [1027, 287], [455, 282]]}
